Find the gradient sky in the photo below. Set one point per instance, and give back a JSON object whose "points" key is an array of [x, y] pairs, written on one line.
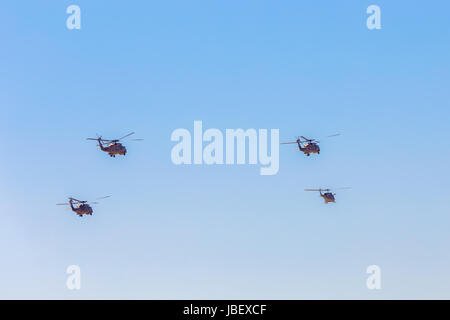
{"points": [[225, 232]]}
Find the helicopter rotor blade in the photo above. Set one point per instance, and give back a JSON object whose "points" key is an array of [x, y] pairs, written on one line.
{"points": [[287, 142], [330, 136], [62, 204], [102, 140], [102, 197], [95, 200], [126, 136]]}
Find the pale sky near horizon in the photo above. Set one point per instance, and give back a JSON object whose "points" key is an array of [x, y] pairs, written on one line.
{"points": [[225, 232]]}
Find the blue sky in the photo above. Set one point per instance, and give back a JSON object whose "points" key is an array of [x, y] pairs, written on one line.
{"points": [[168, 232]]}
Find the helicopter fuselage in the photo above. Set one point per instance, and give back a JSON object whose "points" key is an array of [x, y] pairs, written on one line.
{"points": [[328, 197], [309, 148], [115, 148], [82, 209]]}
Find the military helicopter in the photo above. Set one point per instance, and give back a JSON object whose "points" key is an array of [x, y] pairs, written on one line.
{"points": [[113, 147], [80, 207], [327, 196], [308, 146]]}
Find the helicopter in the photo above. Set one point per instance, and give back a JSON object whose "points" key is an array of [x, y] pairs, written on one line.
{"points": [[327, 196], [308, 146], [113, 147], [80, 207]]}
